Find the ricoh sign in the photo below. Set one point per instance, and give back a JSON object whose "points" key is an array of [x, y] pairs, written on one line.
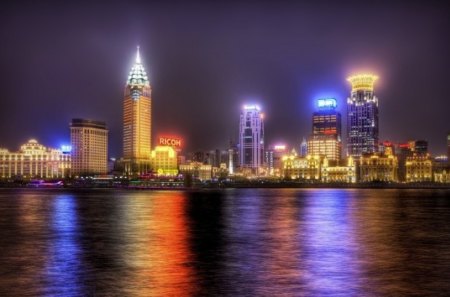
{"points": [[170, 141]]}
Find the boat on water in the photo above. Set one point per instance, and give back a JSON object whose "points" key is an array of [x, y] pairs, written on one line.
{"points": [[45, 184]]}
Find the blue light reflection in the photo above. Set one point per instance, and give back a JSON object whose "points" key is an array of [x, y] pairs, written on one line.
{"points": [[331, 252], [63, 272]]}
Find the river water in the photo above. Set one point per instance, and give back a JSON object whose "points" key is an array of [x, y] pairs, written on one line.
{"points": [[234, 242]]}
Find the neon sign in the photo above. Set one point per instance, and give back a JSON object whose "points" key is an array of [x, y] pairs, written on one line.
{"points": [[66, 148], [170, 141], [327, 103]]}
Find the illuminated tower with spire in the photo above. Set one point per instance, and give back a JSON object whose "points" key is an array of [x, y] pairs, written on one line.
{"points": [[362, 116], [137, 124]]}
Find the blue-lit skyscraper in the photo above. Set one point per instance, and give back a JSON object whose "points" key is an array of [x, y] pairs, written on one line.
{"points": [[362, 116], [251, 138]]}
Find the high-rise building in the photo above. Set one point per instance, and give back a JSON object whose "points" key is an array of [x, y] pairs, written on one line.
{"points": [[251, 139], [362, 116], [326, 131], [137, 124], [89, 141]]}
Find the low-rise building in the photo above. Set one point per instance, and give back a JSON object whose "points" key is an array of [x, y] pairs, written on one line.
{"points": [[197, 170], [339, 174], [302, 168], [419, 168], [34, 160], [164, 161], [378, 168]]}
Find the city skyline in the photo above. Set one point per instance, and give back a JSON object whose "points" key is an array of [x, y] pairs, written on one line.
{"points": [[199, 96]]}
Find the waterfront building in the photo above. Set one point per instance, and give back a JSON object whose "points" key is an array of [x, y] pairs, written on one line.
{"points": [[89, 142], [362, 116], [326, 131], [251, 139], [220, 172], [302, 168], [441, 169], [137, 124], [34, 160], [339, 174], [378, 168], [197, 170], [411, 150], [164, 161], [419, 168]]}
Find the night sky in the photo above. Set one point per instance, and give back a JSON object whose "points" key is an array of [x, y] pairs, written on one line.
{"points": [[205, 60]]}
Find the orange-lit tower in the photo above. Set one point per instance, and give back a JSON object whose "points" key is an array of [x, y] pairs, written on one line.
{"points": [[137, 124]]}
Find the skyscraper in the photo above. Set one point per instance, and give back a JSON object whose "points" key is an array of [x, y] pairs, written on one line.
{"points": [[326, 131], [89, 141], [137, 125], [362, 116], [251, 139]]}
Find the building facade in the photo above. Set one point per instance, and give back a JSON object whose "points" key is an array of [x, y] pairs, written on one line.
{"points": [[339, 174], [362, 116], [251, 139], [197, 170], [137, 124], [89, 142], [34, 160], [419, 168], [164, 161], [378, 168], [325, 139], [302, 168]]}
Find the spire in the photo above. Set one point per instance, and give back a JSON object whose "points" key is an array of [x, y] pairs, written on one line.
{"points": [[138, 76], [138, 56]]}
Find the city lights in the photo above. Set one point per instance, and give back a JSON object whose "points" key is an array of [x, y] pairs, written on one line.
{"points": [[362, 82], [327, 103]]}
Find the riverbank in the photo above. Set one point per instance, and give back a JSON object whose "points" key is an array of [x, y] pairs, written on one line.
{"points": [[244, 185]]}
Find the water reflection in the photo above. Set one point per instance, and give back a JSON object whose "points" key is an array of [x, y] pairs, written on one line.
{"points": [[157, 252], [63, 273], [331, 264], [248, 242]]}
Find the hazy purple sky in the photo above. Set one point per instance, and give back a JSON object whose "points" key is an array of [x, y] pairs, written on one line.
{"points": [[205, 59]]}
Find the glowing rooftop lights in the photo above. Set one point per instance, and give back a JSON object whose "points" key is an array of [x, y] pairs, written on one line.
{"points": [[327, 103], [251, 107], [138, 76], [279, 147], [362, 82], [66, 148]]}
